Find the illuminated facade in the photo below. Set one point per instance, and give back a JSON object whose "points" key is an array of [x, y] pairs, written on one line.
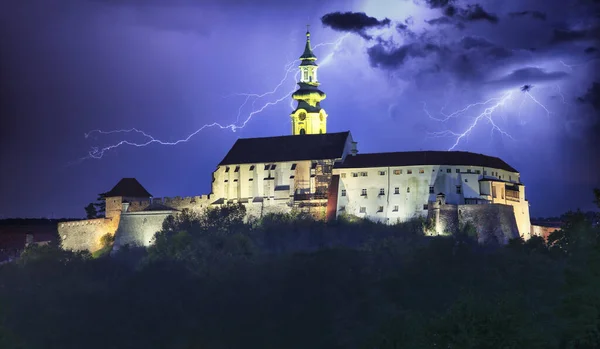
{"points": [[393, 187], [308, 117], [322, 173]]}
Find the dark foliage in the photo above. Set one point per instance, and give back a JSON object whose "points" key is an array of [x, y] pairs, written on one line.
{"points": [[287, 281]]}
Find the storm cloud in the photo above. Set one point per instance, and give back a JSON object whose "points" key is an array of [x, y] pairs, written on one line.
{"points": [[353, 22], [528, 76], [533, 14]]}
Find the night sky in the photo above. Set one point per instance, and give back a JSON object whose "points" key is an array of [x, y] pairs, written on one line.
{"points": [[398, 79]]}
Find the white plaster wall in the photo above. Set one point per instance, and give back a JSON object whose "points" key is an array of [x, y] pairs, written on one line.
{"points": [[443, 179]]}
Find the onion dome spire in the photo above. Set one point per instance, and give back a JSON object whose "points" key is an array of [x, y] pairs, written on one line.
{"points": [[308, 57]]}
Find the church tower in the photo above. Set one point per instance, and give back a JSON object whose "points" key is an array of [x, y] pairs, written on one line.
{"points": [[308, 117]]}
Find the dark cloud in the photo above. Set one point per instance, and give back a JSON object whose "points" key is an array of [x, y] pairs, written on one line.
{"points": [[354, 22], [567, 35], [533, 14], [590, 50], [439, 3], [476, 13], [528, 76], [382, 57], [440, 21], [592, 96]]}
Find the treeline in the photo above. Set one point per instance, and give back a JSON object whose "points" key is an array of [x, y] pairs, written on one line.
{"points": [[286, 281]]}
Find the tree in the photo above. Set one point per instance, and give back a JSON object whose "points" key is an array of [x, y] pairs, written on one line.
{"points": [[96, 209], [90, 211]]}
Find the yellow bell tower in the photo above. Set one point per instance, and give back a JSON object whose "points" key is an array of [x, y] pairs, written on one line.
{"points": [[308, 118]]}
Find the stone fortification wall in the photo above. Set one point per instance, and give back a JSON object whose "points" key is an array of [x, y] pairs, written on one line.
{"points": [[492, 221], [542, 231], [85, 234], [138, 229], [199, 202]]}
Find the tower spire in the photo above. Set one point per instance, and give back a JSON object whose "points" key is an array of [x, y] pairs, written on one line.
{"points": [[308, 117]]}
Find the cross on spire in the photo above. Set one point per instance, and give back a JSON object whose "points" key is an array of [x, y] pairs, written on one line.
{"points": [[307, 28]]}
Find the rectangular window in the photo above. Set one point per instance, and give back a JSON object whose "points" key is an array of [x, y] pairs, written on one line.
{"points": [[313, 166], [382, 173], [408, 171], [363, 174], [342, 208], [431, 189], [354, 174], [363, 192], [343, 175], [267, 167], [382, 191], [397, 172], [306, 75], [448, 170], [510, 178], [458, 189], [458, 170], [293, 167], [425, 207], [380, 209], [237, 169], [226, 169], [251, 168], [502, 193], [273, 166], [494, 191], [363, 210], [484, 172], [397, 190], [395, 208], [469, 170], [421, 170], [408, 189], [478, 171], [343, 192]]}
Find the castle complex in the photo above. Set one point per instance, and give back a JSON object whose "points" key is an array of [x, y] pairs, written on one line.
{"points": [[322, 173]]}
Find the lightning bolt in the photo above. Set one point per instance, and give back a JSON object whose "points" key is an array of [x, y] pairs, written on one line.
{"points": [[483, 116], [537, 102], [98, 152]]}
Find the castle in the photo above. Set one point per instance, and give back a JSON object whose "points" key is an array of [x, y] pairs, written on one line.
{"points": [[322, 173]]}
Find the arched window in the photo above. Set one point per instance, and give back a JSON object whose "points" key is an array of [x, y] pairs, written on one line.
{"points": [[321, 131], [302, 131]]}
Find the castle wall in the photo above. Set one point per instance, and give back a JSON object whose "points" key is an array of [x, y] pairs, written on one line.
{"points": [[85, 234], [139, 228], [196, 203], [403, 192], [492, 221], [541, 231]]}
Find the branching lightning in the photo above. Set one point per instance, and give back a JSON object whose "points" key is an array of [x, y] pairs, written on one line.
{"points": [[492, 106], [98, 152]]}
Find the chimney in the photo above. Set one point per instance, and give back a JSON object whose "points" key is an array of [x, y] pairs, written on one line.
{"points": [[354, 151]]}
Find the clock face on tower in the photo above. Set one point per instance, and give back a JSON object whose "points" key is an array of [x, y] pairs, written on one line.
{"points": [[302, 116]]}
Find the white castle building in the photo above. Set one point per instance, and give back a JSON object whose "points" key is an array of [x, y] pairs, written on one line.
{"points": [[323, 173]]}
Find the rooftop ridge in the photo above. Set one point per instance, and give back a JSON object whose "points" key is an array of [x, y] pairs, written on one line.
{"points": [[307, 135]]}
